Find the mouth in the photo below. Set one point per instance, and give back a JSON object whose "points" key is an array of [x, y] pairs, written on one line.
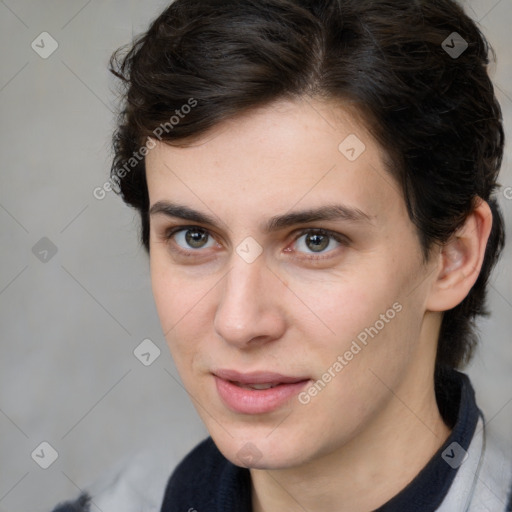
{"points": [[256, 392], [257, 379], [258, 387]]}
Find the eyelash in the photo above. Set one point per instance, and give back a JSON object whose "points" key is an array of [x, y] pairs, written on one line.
{"points": [[341, 239]]}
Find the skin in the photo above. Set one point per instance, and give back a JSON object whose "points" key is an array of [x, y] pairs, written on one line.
{"points": [[373, 427]]}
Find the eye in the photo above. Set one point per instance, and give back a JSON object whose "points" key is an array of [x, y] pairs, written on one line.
{"points": [[191, 238], [317, 241]]}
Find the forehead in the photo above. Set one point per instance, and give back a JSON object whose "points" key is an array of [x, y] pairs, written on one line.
{"points": [[291, 153]]}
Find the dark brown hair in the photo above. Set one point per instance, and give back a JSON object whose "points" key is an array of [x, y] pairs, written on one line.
{"points": [[426, 98]]}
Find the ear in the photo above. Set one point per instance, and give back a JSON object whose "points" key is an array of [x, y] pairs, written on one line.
{"points": [[460, 260]]}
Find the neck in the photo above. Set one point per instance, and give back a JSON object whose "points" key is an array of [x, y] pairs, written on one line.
{"points": [[371, 468]]}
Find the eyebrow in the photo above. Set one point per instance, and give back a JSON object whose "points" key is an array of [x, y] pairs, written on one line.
{"points": [[333, 212]]}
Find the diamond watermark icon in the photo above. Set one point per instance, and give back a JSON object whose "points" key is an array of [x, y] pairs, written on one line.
{"points": [[249, 454], [147, 352], [352, 147], [44, 45], [249, 249], [44, 250], [454, 455], [45, 455], [454, 45]]}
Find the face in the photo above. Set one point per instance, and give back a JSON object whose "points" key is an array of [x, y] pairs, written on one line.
{"points": [[281, 254]]}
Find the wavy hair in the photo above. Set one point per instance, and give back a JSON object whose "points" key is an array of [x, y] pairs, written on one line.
{"points": [[434, 112]]}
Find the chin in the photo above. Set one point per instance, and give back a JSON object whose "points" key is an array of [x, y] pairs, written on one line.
{"points": [[255, 448]]}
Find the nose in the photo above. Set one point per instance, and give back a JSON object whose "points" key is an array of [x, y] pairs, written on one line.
{"points": [[249, 312]]}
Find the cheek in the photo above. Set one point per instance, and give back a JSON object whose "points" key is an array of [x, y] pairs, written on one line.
{"points": [[342, 306], [377, 335], [181, 306], [363, 321]]}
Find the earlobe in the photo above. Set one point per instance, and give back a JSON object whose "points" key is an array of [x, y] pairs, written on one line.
{"points": [[460, 260]]}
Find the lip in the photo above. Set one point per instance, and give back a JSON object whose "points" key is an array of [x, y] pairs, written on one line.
{"points": [[251, 401], [259, 377]]}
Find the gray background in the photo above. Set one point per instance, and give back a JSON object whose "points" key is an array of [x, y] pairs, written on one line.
{"points": [[69, 325]]}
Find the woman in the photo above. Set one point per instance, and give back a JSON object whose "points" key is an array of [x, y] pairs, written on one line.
{"points": [[315, 183]]}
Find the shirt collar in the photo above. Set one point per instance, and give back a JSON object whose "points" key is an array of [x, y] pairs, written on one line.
{"points": [[456, 399]]}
